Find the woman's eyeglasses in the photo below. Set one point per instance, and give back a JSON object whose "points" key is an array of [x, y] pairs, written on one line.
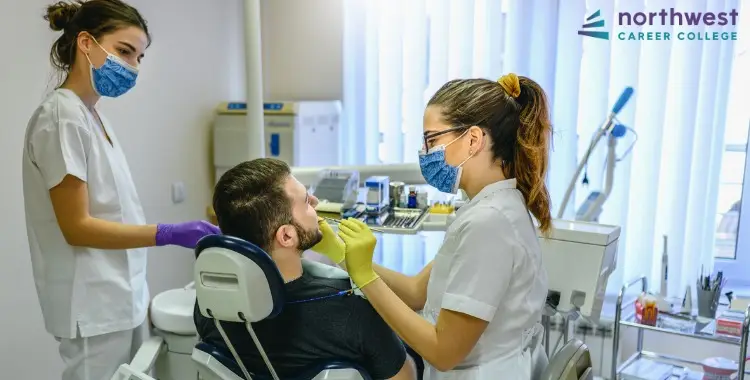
{"points": [[432, 136]]}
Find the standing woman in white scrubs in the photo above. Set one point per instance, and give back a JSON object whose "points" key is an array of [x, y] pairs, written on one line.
{"points": [[86, 228], [483, 295]]}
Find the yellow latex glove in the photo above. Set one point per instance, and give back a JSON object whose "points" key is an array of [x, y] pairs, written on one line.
{"points": [[360, 245], [331, 246]]}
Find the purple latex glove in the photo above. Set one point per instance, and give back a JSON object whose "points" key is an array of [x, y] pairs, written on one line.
{"points": [[184, 234]]}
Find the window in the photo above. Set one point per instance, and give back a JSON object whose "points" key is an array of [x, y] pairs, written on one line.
{"points": [[729, 201], [394, 60], [731, 249]]}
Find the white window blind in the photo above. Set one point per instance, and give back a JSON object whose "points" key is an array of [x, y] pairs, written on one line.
{"points": [[397, 54]]}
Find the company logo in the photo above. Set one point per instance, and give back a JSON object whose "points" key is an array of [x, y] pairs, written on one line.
{"points": [[678, 25], [674, 18], [591, 23]]}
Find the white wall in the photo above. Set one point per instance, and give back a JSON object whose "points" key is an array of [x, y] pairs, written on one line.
{"points": [[303, 49]]}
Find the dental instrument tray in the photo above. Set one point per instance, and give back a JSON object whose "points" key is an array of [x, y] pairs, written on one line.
{"points": [[403, 221]]}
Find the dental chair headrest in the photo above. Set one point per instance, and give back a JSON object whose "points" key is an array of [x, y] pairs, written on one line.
{"points": [[235, 278]]}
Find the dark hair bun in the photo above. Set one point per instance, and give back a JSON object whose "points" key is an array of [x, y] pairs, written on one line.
{"points": [[60, 14]]}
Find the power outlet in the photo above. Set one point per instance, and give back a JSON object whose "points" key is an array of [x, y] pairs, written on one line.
{"points": [[178, 192]]}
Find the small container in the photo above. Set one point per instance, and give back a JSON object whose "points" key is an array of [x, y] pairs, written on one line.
{"points": [[646, 311], [396, 191], [422, 200], [412, 202], [719, 368], [404, 201], [708, 302]]}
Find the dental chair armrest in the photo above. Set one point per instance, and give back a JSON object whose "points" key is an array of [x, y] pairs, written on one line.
{"points": [[127, 372], [147, 354]]}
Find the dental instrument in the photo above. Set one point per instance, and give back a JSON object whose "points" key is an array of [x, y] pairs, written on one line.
{"points": [[337, 221]]}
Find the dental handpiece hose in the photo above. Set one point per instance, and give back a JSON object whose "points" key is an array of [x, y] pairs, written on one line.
{"points": [[581, 165], [605, 129]]}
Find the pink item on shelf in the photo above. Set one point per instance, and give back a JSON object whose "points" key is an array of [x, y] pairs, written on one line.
{"points": [[729, 323], [718, 368]]}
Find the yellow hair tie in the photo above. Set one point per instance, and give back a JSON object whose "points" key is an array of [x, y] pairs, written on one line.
{"points": [[510, 84]]}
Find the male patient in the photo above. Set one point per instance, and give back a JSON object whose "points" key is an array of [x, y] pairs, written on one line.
{"points": [[261, 202]]}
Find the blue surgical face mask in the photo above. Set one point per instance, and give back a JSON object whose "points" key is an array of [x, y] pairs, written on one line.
{"points": [[437, 172], [114, 78]]}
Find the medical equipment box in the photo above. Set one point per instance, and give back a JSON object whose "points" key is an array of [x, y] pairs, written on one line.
{"points": [[336, 190], [593, 249], [304, 133], [378, 199]]}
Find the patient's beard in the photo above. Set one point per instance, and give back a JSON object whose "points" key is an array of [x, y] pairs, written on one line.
{"points": [[307, 238]]}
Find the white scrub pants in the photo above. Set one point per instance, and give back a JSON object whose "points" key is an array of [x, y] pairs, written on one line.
{"points": [[98, 357]]}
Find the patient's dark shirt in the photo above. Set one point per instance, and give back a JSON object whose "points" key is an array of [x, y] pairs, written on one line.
{"points": [[338, 328]]}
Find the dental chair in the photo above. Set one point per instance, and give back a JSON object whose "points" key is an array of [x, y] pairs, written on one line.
{"points": [[572, 362], [235, 281]]}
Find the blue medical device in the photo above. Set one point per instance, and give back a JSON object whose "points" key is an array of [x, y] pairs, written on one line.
{"points": [[612, 130]]}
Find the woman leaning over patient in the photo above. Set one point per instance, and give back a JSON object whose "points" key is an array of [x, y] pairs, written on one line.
{"points": [[482, 296]]}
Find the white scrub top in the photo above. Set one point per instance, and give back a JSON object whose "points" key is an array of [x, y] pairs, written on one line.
{"points": [[490, 267], [82, 291]]}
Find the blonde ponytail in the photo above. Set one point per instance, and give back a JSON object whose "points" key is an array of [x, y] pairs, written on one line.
{"points": [[514, 112]]}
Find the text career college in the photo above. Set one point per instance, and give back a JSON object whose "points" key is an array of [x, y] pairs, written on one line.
{"points": [[682, 36]]}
